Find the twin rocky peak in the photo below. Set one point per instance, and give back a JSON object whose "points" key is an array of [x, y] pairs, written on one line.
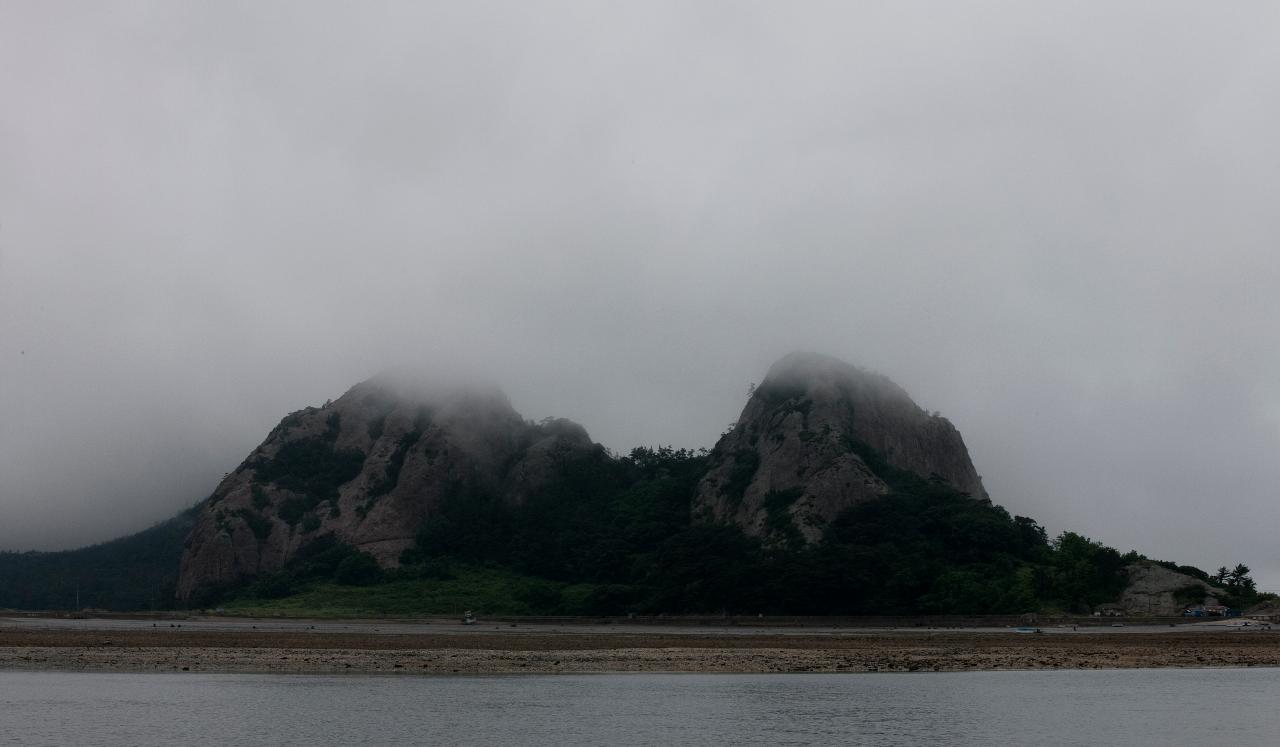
{"points": [[815, 437]]}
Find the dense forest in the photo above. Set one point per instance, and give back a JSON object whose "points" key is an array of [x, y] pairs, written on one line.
{"points": [[613, 536], [137, 572]]}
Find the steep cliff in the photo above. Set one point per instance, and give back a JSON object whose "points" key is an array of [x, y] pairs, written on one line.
{"points": [[368, 468], [817, 436]]}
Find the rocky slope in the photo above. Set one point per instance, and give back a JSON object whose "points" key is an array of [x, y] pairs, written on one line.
{"points": [[1155, 590], [817, 436], [368, 468]]}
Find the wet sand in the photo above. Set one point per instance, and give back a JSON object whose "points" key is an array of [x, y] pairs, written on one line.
{"points": [[216, 645]]}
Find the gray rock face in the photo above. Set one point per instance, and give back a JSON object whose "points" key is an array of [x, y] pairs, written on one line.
{"points": [[817, 436], [369, 468], [1151, 590]]}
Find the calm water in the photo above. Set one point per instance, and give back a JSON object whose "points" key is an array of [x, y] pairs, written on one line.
{"points": [[1133, 707]]}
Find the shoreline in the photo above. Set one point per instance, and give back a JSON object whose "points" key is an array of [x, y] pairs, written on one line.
{"points": [[306, 647], [446, 662]]}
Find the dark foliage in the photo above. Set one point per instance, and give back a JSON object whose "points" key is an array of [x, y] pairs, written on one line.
{"points": [[395, 463], [468, 524], [1189, 595], [324, 558], [743, 469], [137, 572], [311, 466], [1082, 573], [260, 526], [319, 558], [292, 509], [358, 569], [778, 519], [1189, 570], [625, 526], [259, 497], [1240, 587]]}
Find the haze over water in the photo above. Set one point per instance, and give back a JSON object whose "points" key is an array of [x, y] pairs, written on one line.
{"points": [[1112, 707]]}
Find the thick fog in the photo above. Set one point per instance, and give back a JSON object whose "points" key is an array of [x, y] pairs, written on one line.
{"points": [[1053, 222]]}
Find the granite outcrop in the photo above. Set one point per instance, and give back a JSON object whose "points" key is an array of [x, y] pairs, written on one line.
{"points": [[819, 435], [369, 468]]}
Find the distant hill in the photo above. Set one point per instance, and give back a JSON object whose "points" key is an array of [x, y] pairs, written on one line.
{"points": [[137, 572]]}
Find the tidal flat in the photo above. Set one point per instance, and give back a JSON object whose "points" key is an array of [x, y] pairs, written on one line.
{"points": [[441, 647]]}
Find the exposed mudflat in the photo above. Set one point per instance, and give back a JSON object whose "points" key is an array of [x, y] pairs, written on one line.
{"points": [[213, 645]]}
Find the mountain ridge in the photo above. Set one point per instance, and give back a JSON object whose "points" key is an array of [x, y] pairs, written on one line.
{"points": [[404, 498], [372, 466]]}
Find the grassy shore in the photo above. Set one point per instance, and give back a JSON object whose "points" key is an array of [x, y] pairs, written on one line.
{"points": [[486, 590]]}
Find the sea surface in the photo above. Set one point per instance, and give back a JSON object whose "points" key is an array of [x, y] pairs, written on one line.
{"points": [[1119, 707]]}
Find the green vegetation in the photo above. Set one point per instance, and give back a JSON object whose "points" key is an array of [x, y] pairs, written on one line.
{"points": [[745, 464], [311, 466], [1189, 595], [623, 527], [1238, 589], [259, 497], [488, 591], [291, 510], [260, 527], [778, 519], [358, 569], [311, 469], [611, 536], [137, 572], [1241, 589], [395, 463], [330, 579]]}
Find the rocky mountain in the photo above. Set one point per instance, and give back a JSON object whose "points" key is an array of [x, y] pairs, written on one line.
{"points": [[368, 468], [818, 436], [815, 438], [453, 486]]}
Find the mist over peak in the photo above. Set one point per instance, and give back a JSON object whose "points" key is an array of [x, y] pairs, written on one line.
{"points": [[816, 371], [434, 387]]}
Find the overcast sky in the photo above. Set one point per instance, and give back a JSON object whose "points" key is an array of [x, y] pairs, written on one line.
{"points": [[1055, 223]]}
